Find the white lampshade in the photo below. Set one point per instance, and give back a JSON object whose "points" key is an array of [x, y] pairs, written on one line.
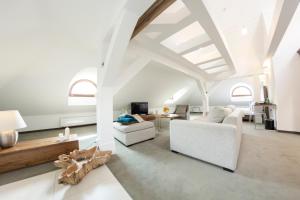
{"points": [[11, 120]]}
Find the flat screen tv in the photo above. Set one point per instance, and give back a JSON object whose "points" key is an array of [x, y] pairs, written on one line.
{"points": [[139, 108]]}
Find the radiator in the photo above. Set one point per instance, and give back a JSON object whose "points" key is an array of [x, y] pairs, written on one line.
{"points": [[77, 120]]}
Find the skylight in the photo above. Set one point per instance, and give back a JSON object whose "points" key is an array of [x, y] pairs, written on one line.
{"points": [[216, 69], [173, 14], [203, 54], [186, 38], [212, 64]]}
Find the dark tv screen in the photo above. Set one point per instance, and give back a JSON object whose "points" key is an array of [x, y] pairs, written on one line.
{"points": [[139, 108]]}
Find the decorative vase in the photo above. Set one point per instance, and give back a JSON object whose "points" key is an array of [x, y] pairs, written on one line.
{"points": [[166, 109], [67, 133], [8, 138]]}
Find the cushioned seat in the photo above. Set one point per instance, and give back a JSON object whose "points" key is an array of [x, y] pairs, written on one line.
{"points": [[133, 127], [134, 133]]}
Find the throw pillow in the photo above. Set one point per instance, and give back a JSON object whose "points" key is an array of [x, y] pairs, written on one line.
{"points": [[138, 118], [126, 119], [216, 115]]}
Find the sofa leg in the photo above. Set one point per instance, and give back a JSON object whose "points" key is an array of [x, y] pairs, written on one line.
{"points": [[228, 170], [174, 151]]}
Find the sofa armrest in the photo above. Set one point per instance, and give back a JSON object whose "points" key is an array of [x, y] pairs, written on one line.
{"points": [[211, 142], [198, 127]]}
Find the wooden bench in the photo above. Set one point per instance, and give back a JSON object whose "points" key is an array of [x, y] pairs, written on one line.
{"points": [[34, 152]]}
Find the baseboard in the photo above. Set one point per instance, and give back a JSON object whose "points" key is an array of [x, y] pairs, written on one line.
{"points": [[52, 129], [284, 131], [228, 170]]}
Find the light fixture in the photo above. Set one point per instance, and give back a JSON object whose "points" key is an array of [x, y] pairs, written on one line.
{"points": [[10, 121], [244, 31]]}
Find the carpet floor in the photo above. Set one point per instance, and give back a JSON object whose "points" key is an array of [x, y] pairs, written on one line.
{"points": [[268, 168]]}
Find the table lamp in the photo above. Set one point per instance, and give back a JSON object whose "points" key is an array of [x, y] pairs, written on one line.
{"points": [[10, 121]]}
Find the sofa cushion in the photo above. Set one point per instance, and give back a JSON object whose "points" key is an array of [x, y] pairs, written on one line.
{"points": [[133, 127], [235, 118], [216, 114], [232, 107], [227, 111]]}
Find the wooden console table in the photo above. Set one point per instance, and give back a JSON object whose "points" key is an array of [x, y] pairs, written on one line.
{"points": [[33, 152]]}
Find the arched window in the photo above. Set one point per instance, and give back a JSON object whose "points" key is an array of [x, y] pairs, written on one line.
{"points": [[241, 92], [83, 88]]}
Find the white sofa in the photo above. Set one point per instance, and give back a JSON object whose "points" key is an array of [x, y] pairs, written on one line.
{"points": [[134, 133], [216, 143]]}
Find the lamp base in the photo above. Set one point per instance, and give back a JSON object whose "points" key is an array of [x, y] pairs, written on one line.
{"points": [[8, 138]]}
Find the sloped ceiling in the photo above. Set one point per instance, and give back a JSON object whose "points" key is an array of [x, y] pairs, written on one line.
{"points": [[156, 84], [231, 17], [185, 32], [43, 45]]}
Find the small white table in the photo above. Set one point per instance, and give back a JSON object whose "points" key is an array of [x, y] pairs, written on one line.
{"points": [[98, 184]]}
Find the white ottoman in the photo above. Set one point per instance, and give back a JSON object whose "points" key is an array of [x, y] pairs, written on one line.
{"points": [[134, 133]]}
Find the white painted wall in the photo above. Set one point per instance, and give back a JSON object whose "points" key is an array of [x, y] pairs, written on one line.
{"points": [[42, 122], [286, 66], [43, 45], [221, 94], [155, 84]]}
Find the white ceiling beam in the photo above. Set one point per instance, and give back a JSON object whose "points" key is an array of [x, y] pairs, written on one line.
{"points": [[120, 39], [204, 44], [157, 56], [131, 71], [210, 60], [285, 10], [202, 15], [164, 51], [169, 29], [215, 66]]}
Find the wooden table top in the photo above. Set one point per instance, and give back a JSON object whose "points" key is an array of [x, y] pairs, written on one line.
{"points": [[171, 116], [33, 144]]}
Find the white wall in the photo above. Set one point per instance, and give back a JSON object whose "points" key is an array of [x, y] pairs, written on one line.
{"points": [[221, 94], [155, 84], [43, 45], [286, 66]]}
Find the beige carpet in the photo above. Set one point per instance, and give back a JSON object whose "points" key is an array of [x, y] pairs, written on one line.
{"points": [[268, 168], [271, 157]]}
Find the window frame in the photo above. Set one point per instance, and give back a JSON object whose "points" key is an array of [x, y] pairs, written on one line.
{"points": [[241, 86], [81, 95]]}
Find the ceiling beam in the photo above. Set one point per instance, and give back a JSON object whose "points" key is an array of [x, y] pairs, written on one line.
{"points": [[284, 12], [204, 44], [202, 15], [210, 60], [156, 9], [214, 66]]}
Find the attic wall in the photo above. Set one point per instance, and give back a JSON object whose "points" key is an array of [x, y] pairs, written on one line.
{"points": [[221, 94], [43, 45], [155, 84], [286, 66]]}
